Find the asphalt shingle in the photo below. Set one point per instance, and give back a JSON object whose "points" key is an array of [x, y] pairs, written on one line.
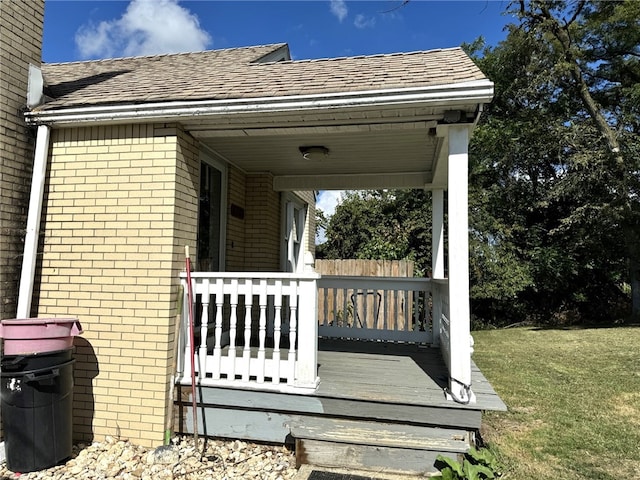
{"points": [[237, 74]]}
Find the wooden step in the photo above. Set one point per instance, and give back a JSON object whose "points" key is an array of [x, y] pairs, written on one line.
{"points": [[392, 448], [379, 434]]}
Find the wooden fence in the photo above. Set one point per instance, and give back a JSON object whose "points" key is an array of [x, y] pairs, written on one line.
{"points": [[359, 298], [365, 268]]}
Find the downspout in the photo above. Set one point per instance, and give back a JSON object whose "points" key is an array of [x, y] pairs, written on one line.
{"points": [[29, 258]]}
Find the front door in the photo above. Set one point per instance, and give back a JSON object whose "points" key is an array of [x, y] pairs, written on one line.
{"points": [[211, 221]]}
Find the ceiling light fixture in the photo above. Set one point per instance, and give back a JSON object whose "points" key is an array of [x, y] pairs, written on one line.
{"points": [[315, 152]]}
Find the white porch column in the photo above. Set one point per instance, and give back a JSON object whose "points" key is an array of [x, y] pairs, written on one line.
{"points": [[458, 228]]}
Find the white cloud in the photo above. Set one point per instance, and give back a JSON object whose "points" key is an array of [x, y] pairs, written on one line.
{"points": [[147, 27], [339, 9], [328, 200], [362, 21]]}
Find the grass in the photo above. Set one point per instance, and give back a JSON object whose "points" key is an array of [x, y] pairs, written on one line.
{"points": [[573, 398]]}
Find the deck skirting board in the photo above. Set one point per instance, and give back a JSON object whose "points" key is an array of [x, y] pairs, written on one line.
{"points": [[248, 400]]}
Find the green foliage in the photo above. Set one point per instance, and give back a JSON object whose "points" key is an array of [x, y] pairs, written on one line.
{"points": [[382, 225], [554, 209], [475, 465]]}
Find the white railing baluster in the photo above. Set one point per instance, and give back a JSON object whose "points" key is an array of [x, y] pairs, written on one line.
{"points": [[233, 329], [277, 323], [325, 316], [364, 323], [262, 331], [293, 330], [406, 315], [217, 348], [436, 313], [396, 319], [345, 310], [204, 329], [246, 352], [385, 316]]}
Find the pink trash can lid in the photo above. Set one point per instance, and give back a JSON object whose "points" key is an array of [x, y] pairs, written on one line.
{"points": [[37, 321], [32, 326]]}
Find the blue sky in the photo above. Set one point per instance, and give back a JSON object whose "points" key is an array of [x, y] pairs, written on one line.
{"points": [[313, 29], [81, 30]]}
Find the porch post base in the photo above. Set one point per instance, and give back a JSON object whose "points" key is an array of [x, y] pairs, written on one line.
{"points": [[459, 392], [308, 385]]}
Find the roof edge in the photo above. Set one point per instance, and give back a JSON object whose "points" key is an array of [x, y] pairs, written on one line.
{"points": [[274, 46], [477, 91]]}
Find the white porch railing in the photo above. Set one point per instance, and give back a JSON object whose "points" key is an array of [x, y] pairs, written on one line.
{"points": [[376, 308], [456, 344], [253, 330], [441, 321], [260, 330]]}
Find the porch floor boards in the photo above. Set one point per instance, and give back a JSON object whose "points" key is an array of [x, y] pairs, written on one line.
{"points": [[402, 374]]}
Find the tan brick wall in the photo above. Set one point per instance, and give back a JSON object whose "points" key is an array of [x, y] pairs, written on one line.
{"points": [[262, 225], [20, 44], [120, 205], [235, 252]]}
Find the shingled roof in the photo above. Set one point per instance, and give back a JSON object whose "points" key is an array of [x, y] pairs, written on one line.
{"points": [[237, 73]]}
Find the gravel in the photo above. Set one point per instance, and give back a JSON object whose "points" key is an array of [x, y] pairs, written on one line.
{"points": [[116, 459]]}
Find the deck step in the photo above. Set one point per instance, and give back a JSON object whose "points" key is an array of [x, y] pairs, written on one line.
{"points": [[379, 434], [371, 446]]}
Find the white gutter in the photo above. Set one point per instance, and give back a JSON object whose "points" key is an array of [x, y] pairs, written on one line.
{"points": [[33, 223], [479, 91]]}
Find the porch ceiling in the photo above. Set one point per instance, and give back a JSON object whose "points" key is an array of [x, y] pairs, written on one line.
{"points": [[382, 148]]}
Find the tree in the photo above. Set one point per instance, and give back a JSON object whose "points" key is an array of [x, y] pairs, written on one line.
{"points": [[595, 48], [548, 181], [382, 224]]}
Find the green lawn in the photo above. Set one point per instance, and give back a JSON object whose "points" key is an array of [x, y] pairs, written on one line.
{"points": [[573, 398]]}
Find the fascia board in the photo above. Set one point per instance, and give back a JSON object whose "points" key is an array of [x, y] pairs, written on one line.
{"points": [[478, 92]]}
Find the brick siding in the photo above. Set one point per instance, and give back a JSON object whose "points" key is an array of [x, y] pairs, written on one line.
{"points": [[262, 227], [236, 245], [119, 208], [20, 44]]}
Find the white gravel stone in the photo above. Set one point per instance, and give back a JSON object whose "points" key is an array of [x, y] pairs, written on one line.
{"points": [[116, 459]]}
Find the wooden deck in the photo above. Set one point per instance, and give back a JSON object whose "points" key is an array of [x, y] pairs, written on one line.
{"points": [[401, 374], [378, 406]]}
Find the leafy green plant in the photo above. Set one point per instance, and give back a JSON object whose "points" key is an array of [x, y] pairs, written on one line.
{"points": [[344, 318], [475, 465]]}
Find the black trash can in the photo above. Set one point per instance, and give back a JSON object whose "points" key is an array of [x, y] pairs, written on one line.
{"points": [[36, 361], [37, 405]]}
